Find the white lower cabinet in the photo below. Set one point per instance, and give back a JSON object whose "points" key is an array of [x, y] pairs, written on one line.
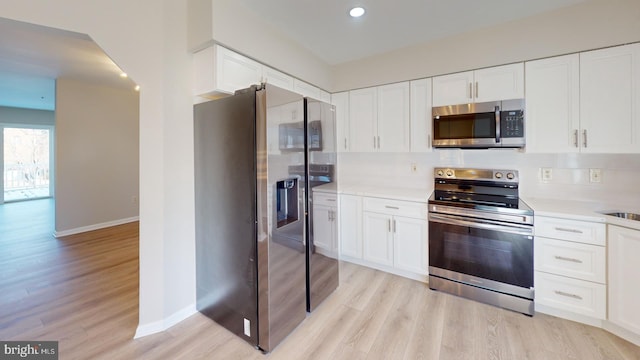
{"points": [[378, 238], [395, 235], [570, 268], [568, 294], [325, 237], [624, 272], [410, 248], [350, 227]]}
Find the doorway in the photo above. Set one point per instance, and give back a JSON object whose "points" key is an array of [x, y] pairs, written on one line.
{"points": [[27, 158]]}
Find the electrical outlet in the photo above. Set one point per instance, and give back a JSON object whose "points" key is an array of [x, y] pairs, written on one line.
{"points": [[595, 175], [546, 174], [414, 167]]}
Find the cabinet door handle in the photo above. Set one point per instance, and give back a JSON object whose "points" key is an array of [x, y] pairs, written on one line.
{"points": [[470, 90], [573, 296], [428, 140], [394, 226], [575, 231], [392, 207], [477, 89], [378, 142], [345, 143], [389, 225], [558, 257], [584, 137], [374, 142], [575, 138], [329, 215]]}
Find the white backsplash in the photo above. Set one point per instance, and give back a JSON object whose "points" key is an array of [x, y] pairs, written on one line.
{"points": [[620, 181]]}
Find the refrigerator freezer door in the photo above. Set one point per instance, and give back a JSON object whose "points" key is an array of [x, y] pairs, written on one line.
{"points": [[225, 187], [281, 259]]}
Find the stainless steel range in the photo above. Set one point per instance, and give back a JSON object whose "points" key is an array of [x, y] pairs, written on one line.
{"points": [[481, 238]]}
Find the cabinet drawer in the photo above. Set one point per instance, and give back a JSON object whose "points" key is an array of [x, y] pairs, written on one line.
{"points": [[394, 207], [325, 199], [578, 296], [576, 260], [572, 230]]}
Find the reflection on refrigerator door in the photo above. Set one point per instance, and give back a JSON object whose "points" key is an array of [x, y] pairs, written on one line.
{"points": [[322, 258]]}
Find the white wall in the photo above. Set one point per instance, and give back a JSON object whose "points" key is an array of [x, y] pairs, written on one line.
{"points": [[620, 173], [147, 39], [11, 115], [96, 155], [593, 24]]}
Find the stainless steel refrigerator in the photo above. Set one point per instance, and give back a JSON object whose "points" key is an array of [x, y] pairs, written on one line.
{"points": [[257, 270]]}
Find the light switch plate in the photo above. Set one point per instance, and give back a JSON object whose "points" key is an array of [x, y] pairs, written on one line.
{"points": [[595, 175]]}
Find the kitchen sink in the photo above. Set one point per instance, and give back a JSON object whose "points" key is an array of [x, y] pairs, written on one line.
{"points": [[624, 215]]}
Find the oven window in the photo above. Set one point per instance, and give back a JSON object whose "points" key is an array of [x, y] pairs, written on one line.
{"points": [[468, 126], [487, 254]]}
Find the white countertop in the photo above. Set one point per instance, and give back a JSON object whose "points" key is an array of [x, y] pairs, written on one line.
{"points": [[566, 209], [583, 210], [417, 195]]}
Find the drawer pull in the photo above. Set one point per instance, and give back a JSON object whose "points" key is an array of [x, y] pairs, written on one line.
{"points": [[573, 296], [575, 231], [331, 199], [568, 259], [392, 207]]}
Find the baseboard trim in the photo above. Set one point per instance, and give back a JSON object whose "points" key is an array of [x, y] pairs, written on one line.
{"points": [[584, 319], [621, 332], [103, 225], [407, 274], [164, 324]]}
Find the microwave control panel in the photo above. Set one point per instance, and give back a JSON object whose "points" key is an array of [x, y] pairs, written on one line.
{"points": [[512, 123]]}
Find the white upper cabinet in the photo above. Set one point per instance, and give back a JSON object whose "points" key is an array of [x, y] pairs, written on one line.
{"points": [[553, 104], [325, 97], [453, 89], [379, 118], [499, 83], [393, 118], [220, 71], [341, 102], [235, 71], [305, 89], [610, 100], [587, 102], [277, 78], [421, 129], [490, 84], [363, 119]]}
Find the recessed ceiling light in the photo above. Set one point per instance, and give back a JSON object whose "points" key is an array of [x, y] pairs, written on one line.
{"points": [[123, 75], [356, 12], [137, 88]]}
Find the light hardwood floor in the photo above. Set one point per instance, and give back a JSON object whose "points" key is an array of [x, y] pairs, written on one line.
{"points": [[82, 290]]}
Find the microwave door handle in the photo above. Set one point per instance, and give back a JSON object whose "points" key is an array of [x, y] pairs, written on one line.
{"points": [[497, 125]]}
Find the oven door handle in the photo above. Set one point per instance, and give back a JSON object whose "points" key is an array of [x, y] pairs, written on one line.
{"points": [[513, 229]]}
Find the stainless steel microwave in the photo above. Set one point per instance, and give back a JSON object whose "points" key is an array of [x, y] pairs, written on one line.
{"points": [[497, 124]]}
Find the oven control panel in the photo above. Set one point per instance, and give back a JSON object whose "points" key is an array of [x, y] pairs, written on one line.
{"points": [[476, 174]]}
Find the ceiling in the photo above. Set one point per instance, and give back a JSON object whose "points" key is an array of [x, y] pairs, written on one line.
{"points": [[33, 56], [325, 28]]}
